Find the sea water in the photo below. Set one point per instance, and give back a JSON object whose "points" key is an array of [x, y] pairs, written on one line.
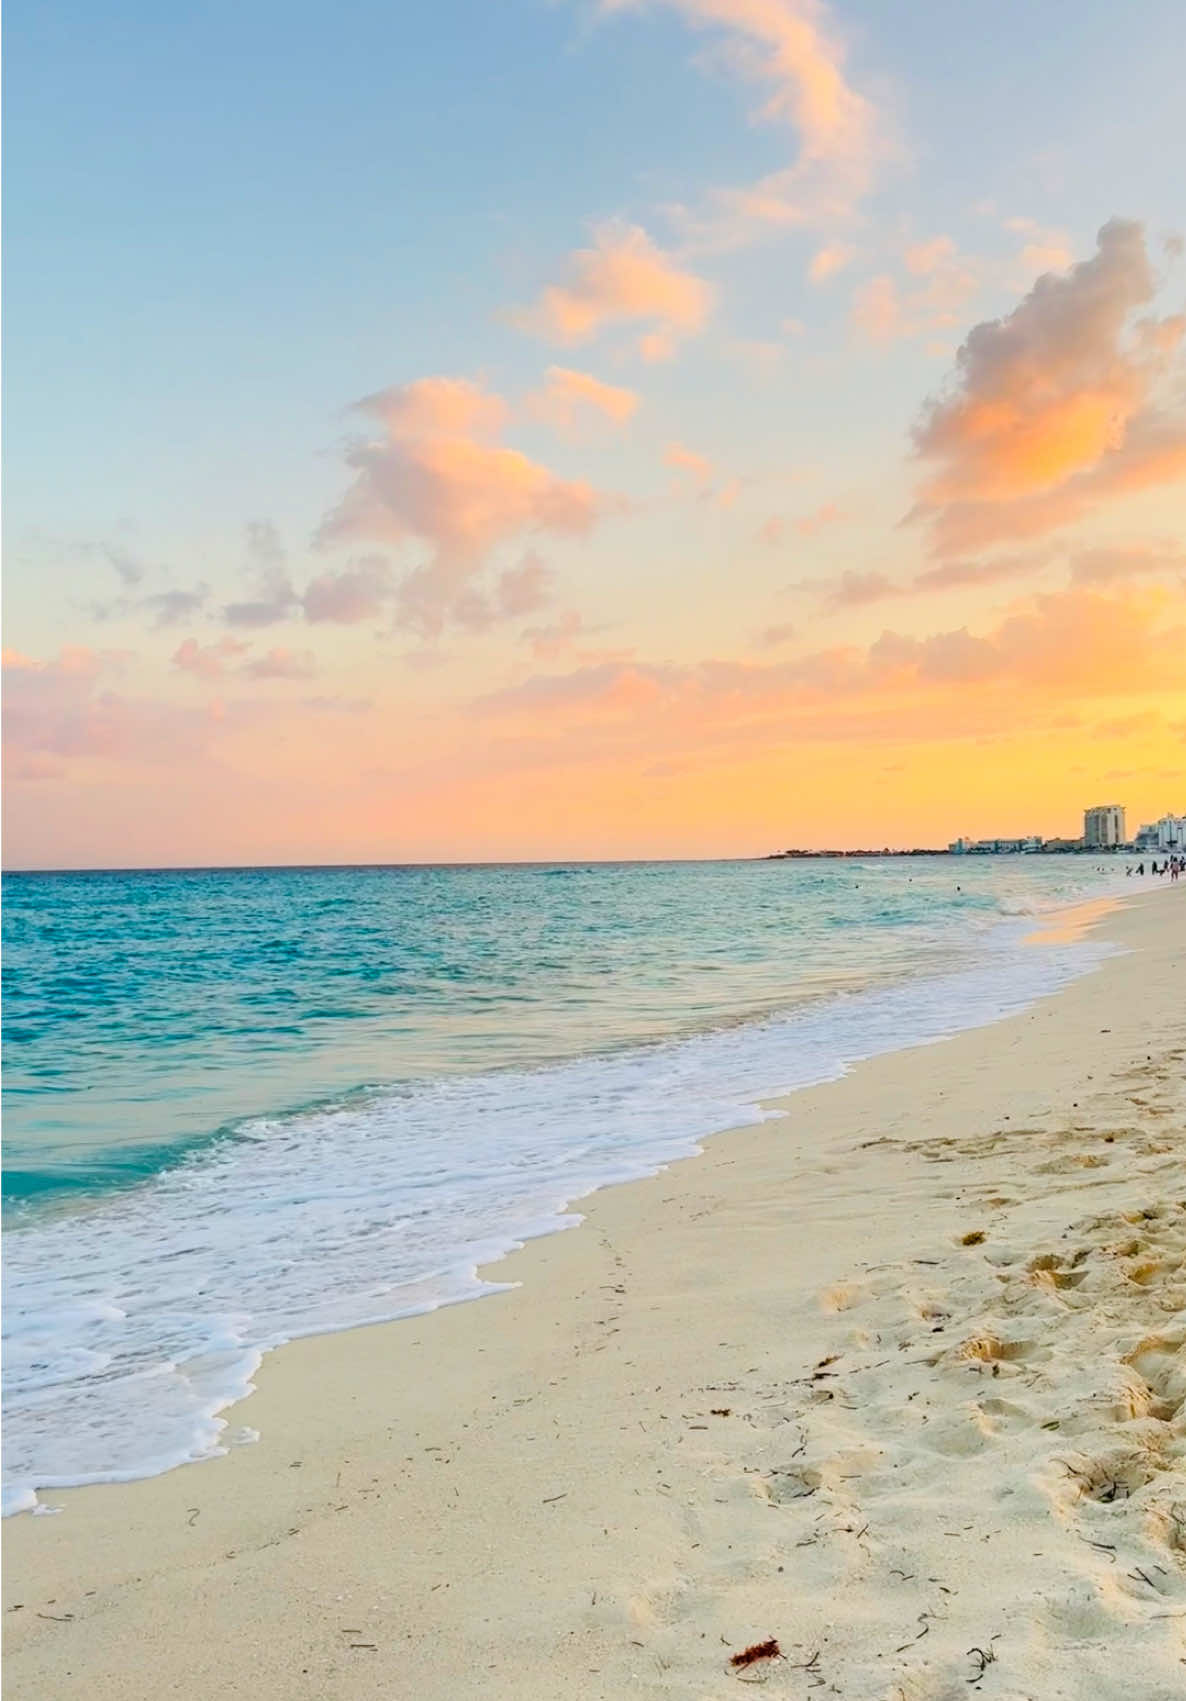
{"points": [[247, 1105]]}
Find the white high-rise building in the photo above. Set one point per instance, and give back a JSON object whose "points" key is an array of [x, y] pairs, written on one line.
{"points": [[1103, 826]]}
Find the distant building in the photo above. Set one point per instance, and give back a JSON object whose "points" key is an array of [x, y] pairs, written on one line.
{"points": [[1103, 827], [995, 847], [1168, 834]]}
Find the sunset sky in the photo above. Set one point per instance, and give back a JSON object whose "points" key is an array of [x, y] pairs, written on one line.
{"points": [[587, 428]]}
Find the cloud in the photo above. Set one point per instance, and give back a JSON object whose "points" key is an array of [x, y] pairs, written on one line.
{"points": [[566, 637], [1064, 644], [939, 281], [525, 588], [172, 608], [207, 661], [267, 572], [698, 467], [924, 258], [851, 589], [1046, 250], [955, 575], [436, 407], [827, 515], [1056, 408], [214, 661], [436, 475], [567, 396], [772, 636], [789, 48], [833, 257], [355, 592], [1108, 565], [63, 710], [624, 279], [280, 663], [877, 310]]}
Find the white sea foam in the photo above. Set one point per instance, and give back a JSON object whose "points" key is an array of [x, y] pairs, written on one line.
{"points": [[133, 1325]]}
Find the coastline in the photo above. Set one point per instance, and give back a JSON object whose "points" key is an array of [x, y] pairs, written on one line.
{"points": [[538, 1494]]}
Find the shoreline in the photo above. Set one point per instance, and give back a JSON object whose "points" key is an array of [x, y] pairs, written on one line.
{"points": [[557, 1464], [728, 1097]]}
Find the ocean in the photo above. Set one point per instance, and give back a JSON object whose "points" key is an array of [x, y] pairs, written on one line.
{"points": [[247, 1105]]}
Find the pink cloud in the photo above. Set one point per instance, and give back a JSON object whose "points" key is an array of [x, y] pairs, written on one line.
{"points": [[428, 479], [62, 709], [623, 279], [353, 593], [436, 407], [1068, 642]]}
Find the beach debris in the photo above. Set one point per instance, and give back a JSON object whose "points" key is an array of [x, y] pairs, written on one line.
{"points": [[194, 1513], [549, 1498], [983, 1657], [974, 1237], [721, 1411], [768, 1650]]}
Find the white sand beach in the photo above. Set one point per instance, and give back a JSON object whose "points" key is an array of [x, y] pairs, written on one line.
{"points": [[897, 1380]]}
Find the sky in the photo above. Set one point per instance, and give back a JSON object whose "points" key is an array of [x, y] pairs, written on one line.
{"points": [[589, 428]]}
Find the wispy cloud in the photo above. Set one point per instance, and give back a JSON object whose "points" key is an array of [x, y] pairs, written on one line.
{"points": [[624, 279], [566, 397], [791, 50]]}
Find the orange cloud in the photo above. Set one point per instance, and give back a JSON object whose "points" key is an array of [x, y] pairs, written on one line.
{"points": [[828, 260], [789, 47], [1071, 643], [567, 395], [698, 467], [435, 477], [623, 279], [1057, 407], [809, 524]]}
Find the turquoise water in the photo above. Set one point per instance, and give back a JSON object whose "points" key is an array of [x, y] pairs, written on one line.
{"points": [[246, 1105]]}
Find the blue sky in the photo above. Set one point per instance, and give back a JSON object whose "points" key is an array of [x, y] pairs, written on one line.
{"points": [[226, 225]]}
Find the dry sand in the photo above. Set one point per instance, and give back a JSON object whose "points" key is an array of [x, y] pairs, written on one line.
{"points": [[898, 1381]]}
